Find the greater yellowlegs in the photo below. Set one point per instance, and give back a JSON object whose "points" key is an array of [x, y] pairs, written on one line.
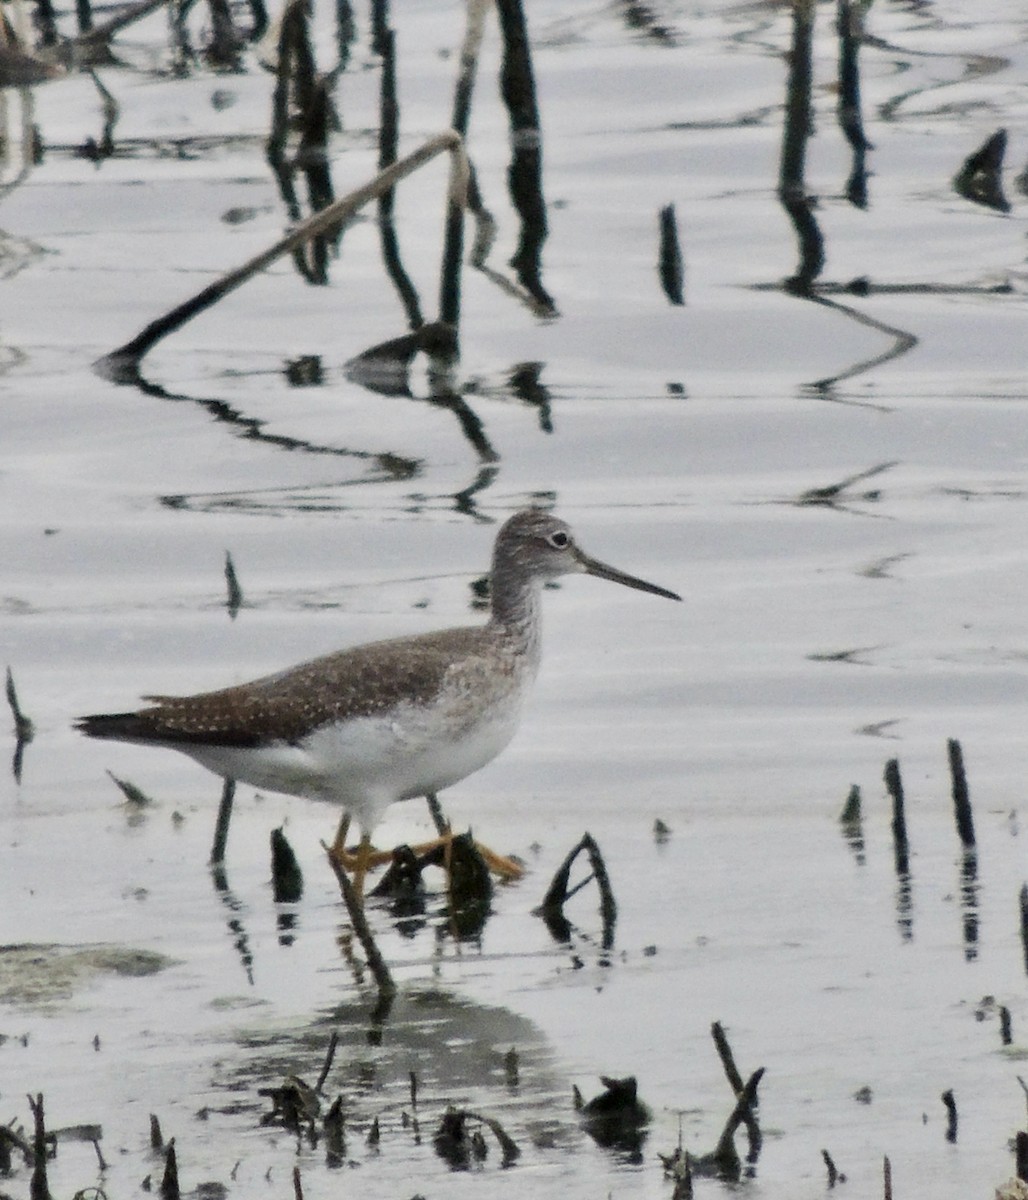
{"points": [[389, 720]]}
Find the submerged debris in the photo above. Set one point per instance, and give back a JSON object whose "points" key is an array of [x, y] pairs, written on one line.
{"points": [[295, 1106], [615, 1119], [460, 1142]]}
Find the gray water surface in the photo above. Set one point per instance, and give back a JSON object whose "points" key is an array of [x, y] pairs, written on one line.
{"points": [[820, 636]]}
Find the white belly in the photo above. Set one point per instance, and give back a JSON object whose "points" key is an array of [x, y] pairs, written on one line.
{"points": [[368, 763]]}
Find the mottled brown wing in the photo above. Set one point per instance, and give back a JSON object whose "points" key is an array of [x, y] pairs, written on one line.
{"points": [[359, 682]]}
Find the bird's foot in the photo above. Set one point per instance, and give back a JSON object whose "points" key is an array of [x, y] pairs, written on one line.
{"points": [[500, 864], [351, 858]]}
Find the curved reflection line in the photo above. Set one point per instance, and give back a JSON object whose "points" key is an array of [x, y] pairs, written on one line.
{"points": [[903, 342]]}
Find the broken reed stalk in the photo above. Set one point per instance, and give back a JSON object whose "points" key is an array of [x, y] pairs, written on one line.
{"points": [[727, 1058], [376, 963], [39, 1188], [169, 1189], [669, 258], [961, 797], [286, 875], [122, 364], [899, 821]]}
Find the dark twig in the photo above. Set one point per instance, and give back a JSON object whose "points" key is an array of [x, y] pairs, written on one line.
{"points": [[886, 1179], [1024, 1088], [1024, 923], [326, 1066], [235, 592], [833, 1174], [951, 1115]]}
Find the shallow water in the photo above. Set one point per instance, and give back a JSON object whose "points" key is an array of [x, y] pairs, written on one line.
{"points": [[820, 635]]}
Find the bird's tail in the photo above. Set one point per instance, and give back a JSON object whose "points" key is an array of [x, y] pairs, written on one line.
{"points": [[121, 727]]}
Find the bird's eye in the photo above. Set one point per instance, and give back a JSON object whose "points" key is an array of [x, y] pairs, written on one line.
{"points": [[559, 540]]}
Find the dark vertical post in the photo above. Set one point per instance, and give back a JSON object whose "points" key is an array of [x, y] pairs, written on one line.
{"points": [[798, 128], [899, 820], [961, 797], [1024, 924], [524, 177]]}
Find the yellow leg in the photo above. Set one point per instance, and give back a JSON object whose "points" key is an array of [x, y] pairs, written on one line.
{"points": [[361, 868], [348, 858], [339, 845]]}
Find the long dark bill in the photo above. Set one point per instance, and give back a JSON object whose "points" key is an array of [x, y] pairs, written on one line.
{"points": [[602, 571]]}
